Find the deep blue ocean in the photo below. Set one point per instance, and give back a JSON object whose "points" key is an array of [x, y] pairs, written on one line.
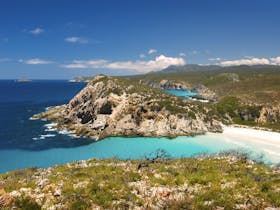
{"points": [[29, 143]]}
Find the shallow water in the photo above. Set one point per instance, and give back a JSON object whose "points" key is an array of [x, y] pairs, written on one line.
{"points": [[181, 93], [27, 143]]}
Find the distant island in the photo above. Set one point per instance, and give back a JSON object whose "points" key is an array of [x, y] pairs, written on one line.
{"points": [[23, 80]]}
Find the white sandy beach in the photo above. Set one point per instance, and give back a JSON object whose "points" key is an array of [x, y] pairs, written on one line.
{"points": [[253, 135], [260, 141]]}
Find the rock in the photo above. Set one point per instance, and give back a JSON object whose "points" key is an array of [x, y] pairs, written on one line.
{"points": [[57, 192], [168, 85], [82, 164], [6, 200], [173, 85], [269, 114], [43, 182], [110, 107], [205, 93], [83, 184]]}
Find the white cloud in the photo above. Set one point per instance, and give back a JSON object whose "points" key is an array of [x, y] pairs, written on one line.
{"points": [[151, 51], [36, 31], [142, 55], [181, 54], [160, 62], [275, 61], [249, 61], [35, 61], [75, 39]]}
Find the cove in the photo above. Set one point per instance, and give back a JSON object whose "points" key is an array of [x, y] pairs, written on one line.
{"points": [[181, 93], [134, 148], [28, 143]]}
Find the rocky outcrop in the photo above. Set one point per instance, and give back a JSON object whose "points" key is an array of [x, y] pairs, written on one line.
{"points": [[173, 85], [6, 200], [114, 107], [269, 114], [168, 85], [205, 93]]}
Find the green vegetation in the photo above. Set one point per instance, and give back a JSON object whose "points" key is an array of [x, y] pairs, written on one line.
{"points": [[241, 114], [193, 183], [26, 204], [252, 84], [242, 90]]}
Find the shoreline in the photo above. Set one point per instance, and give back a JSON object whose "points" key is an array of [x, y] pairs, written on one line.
{"points": [[262, 142], [254, 141], [258, 134], [252, 127]]}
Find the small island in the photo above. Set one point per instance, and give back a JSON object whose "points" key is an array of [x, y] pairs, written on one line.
{"points": [[23, 80]]}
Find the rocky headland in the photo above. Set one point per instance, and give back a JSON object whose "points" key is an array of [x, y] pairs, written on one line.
{"points": [[110, 106]]}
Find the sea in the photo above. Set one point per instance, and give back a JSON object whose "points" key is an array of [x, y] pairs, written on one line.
{"points": [[33, 143]]}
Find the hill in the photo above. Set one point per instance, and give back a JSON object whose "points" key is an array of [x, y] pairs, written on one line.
{"points": [[247, 95]]}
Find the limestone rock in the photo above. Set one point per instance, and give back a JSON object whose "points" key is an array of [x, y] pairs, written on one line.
{"points": [[168, 84], [109, 106], [6, 200], [205, 93], [269, 114]]}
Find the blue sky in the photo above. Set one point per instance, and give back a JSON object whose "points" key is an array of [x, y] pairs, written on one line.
{"points": [[60, 39]]}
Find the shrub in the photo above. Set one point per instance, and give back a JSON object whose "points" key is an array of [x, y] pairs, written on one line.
{"points": [[26, 204]]}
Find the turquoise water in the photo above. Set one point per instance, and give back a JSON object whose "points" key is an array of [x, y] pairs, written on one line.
{"points": [[27, 143], [181, 93], [129, 148], [118, 147]]}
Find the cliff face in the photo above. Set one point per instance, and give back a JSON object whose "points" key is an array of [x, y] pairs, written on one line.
{"points": [[115, 107], [269, 114], [202, 91], [168, 85], [205, 93]]}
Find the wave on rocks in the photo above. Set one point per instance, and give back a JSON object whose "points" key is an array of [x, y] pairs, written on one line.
{"points": [[43, 136]]}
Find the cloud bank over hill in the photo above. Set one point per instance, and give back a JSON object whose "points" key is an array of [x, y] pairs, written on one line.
{"points": [[160, 62], [251, 61]]}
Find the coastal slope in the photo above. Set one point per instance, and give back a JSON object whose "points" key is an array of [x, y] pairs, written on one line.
{"points": [[110, 106], [221, 182]]}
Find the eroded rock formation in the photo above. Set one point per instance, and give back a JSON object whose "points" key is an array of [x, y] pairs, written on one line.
{"points": [[115, 107]]}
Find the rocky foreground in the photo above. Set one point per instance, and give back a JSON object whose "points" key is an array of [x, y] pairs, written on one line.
{"points": [[110, 106], [221, 182]]}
